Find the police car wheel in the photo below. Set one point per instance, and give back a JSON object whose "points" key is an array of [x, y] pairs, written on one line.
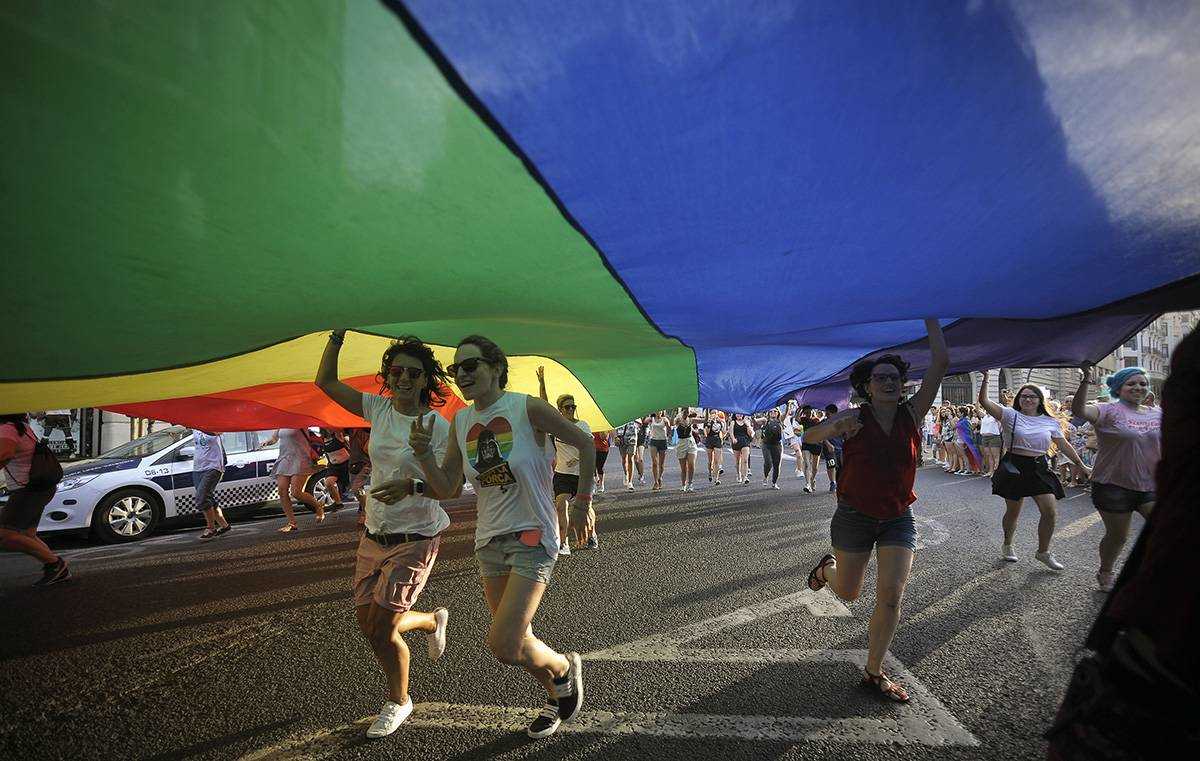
{"points": [[316, 487], [126, 515]]}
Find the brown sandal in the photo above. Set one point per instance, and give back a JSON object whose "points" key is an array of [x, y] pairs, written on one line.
{"points": [[816, 577], [884, 686]]}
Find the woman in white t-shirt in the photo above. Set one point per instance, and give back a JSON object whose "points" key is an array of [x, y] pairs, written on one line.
{"points": [[989, 439], [404, 520], [1027, 431], [566, 483], [493, 443], [658, 433]]}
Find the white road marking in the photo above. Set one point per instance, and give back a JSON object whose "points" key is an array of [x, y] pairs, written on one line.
{"points": [[967, 480], [923, 721], [821, 604], [936, 534], [1077, 527]]}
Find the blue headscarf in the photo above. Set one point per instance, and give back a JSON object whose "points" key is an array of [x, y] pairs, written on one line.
{"points": [[1117, 379]]}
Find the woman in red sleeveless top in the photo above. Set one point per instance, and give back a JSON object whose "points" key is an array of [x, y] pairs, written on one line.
{"points": [[875, 493]]}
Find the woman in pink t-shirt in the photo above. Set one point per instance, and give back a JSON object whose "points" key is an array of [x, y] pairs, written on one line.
{"points": [[1129, 436]]}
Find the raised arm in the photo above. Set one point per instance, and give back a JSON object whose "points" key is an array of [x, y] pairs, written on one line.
{"points": [[347, 397], [993, 409], [543, 416], [1079, 405], [445, 480], [923, 399]]}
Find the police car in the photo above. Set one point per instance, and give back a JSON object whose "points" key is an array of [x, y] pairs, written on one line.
{"points": [[127, 492]]}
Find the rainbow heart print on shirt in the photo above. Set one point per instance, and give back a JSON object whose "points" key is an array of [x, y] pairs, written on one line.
{"points": [[488, 447]]}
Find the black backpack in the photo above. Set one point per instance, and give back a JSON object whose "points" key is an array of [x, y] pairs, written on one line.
{"points": [[44, 469]]}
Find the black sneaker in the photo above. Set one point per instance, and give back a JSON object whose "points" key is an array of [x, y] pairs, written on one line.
{"points": [[546, 722], [569, 689], [222, 530], [52, 573]]}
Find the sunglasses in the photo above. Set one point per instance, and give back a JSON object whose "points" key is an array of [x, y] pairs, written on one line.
{"points": [[412, 372], [467, 365]]}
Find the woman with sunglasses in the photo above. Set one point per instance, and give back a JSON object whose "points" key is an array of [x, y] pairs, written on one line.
{"points": [[882, 440], [1129, 447], [1029, 431], [566, 481], [516, 531], [404, 520]]}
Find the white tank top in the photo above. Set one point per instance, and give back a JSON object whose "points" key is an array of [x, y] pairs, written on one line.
{"points": [[509, 471]]}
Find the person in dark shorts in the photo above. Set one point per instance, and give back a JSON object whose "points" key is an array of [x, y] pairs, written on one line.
{"points": [[20, 515], [714, 436], [875, 495], [603, 444], [833, 452], [811, 451], [1129, 438]]}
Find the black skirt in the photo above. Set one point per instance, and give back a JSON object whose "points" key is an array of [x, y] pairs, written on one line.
{"points": [[1034, 477]]}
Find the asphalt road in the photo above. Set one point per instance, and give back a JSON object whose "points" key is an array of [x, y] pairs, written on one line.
{"points": [[700, 640]]}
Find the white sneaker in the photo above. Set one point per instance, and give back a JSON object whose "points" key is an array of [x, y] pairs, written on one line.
{"points": [[1050, 561], [391, 716], [629, 486], [1008, 553], [808, 489], [436, 640], [766, 482], [774, 486], [564, 548]]}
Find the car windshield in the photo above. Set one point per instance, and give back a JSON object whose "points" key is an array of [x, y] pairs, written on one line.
{"points": [[147, 445]]}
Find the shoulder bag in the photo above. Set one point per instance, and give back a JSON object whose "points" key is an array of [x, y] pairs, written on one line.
{"points": [[1006, 470]]}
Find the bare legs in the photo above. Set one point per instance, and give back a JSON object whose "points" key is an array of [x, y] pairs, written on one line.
{"points": [[513, 601], [27, 541], [382, 629], [810, 469], [291, 488], [658, 463], [687, 469], [1116, 533], [561, 502], [845, 579], [214, 518], [1047, 505]]}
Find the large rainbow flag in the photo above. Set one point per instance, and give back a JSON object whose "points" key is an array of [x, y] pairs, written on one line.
{"points": [[681, 202]]}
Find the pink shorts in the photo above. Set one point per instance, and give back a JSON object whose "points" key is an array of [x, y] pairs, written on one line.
{"points": [[392, 577]]}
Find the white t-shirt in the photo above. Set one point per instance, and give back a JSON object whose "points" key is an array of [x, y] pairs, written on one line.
{"points": [[509, 471], [789, 432], [16, 470], [988, 426], [1032, 433], [210, 453], [566, 457], [392, 458], [658, 430]]}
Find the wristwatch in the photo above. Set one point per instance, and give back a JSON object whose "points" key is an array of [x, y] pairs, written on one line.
{"points": [[418, 487]]}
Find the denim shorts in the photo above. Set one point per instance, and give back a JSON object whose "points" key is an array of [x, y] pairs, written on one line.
{"points": [[506, 554], [852, 531], [1110, 498]]}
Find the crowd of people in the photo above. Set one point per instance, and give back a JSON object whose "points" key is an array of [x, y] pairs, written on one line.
{"points": [[534, 467]]}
